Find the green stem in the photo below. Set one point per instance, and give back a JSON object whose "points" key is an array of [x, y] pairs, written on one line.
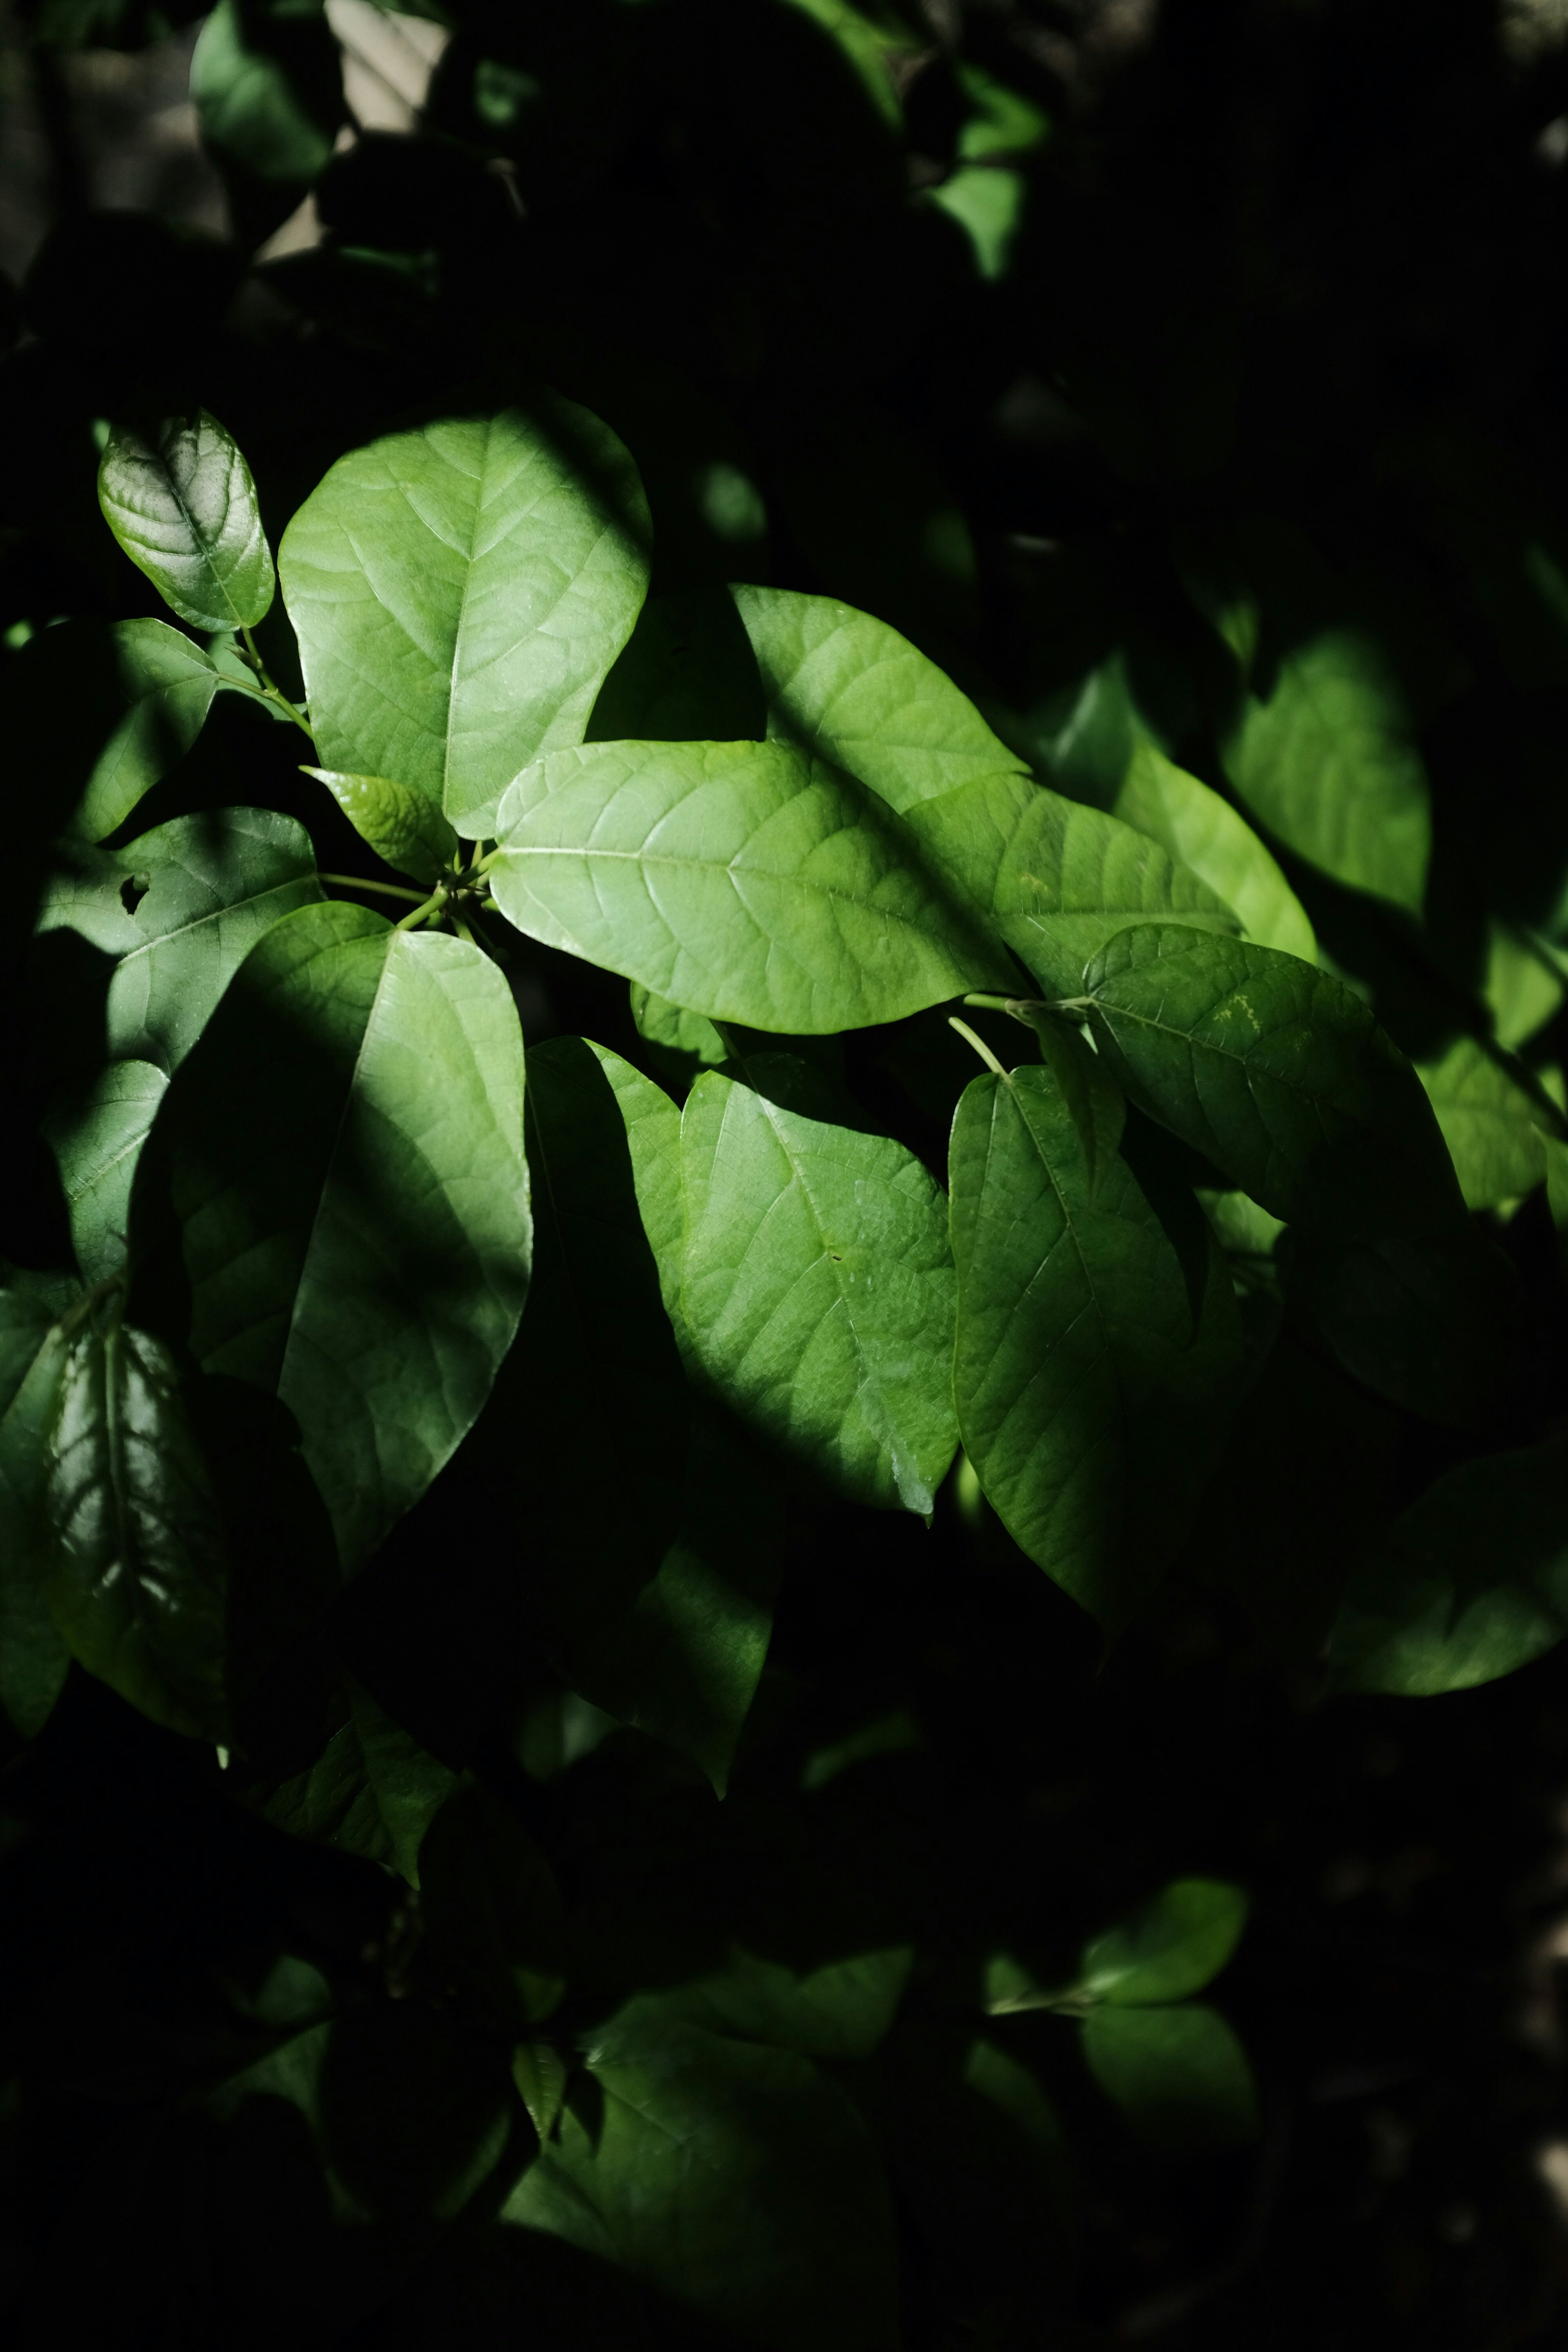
{"points": [[980, 1047], [387, 890], [270, 691], [423, 913]]}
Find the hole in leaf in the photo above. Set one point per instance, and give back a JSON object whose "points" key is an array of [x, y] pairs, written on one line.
{"points": [[132, 890]]}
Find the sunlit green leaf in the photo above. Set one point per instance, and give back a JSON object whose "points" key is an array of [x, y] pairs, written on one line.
{"points": [[97, 712], [1470, 1583], [1203, 833], [182, 506], [747, 881], [96, 1137], [849, 689], [1179, 2075], [400, 825], [817, 1287], [267, 85], [332, 1203], [1098, 1342], [1328, 762], [460, 591], [1489, 1124], [1169, 1948], [134, 1565], [1057, 881], [675, 1031], [179, 910]]}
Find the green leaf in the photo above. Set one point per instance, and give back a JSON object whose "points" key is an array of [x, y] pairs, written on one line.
{"points": [[1280, 1073], [818, 1288], [1488, 1124], [1329, 763], [1203, 833], [33, 1656], [849, 689], [135, 1566], [596, 1376], [685, 1035], [1469, 1583], [182, 506], [683, 1662], [96, 1137], [733, 2172], [1169, 1948], [372, 1791], [1098, 1345], [332, 1203], [402, 827], [492, 1913], [1179, 2075], [747, 881], [97, 712], [1057, 881], [180, 908], [267, 85], [460, 593], [539, 2072]]}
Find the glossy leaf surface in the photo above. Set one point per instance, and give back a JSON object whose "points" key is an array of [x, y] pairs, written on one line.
{"points": [[747, 881], [1204, 834], [1328, 762], [135, 1570], [1097, 1341], [1179, 2075], [180, 909], [460, 593], [818, 1288], [184, 508], [1470, 1583], [333, 1206], [401, 826], [1055, 879], [96, 1137], [849, 689], [1170, 1948]]}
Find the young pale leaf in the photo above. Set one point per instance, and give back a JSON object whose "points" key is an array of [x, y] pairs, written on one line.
{"points": [[180, 908], [1489, 1123], [1279, 1073], [730, 2170], [460, 593], [96, 1137], [1169, 1948], [332, 1203], [95, 713], [1329, 763], [134, 1565], [749, 881], [1098, 1345], [372, 1791], [588, 1423], [851, 690], [406, 830], [182, 506], [1203, 833], [1469, 1583], [1179, 2075], [818, 1289], [1055, 880], [33, 1656]]}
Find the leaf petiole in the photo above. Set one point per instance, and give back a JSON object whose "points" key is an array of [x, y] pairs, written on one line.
{"points": [[387, 890], [980, 1047], [422, 912]]}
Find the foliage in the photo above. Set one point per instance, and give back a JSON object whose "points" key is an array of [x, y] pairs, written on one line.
{"points": [[1089, 1034]]}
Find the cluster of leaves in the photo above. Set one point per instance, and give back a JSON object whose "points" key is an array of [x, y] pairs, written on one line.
{"points": [[998, 1131]]}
